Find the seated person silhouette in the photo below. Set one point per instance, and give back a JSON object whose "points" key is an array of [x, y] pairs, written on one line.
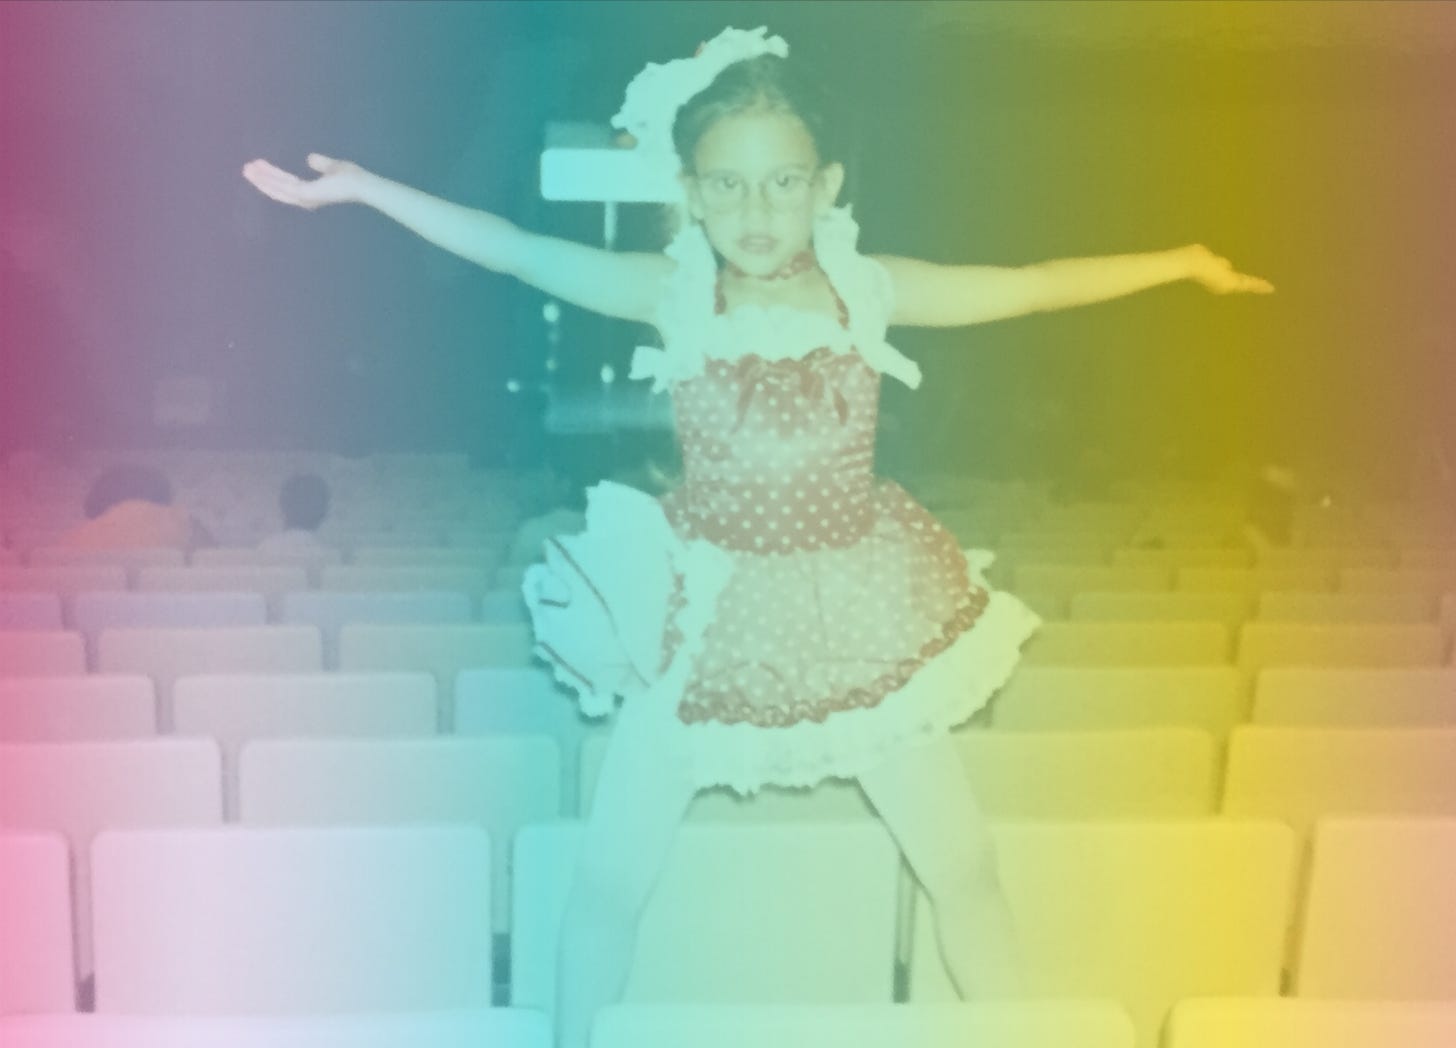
{"points": [[303, 502], [130, 507]]}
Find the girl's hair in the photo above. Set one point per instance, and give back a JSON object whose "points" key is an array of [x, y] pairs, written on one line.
{"points": [[303, 500], [771, 83], [766, 82]]}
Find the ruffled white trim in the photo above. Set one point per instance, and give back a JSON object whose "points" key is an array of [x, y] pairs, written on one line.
{"points": [[692, 332], [600, 601], [601, 604], [656, 93], [943, 693]]}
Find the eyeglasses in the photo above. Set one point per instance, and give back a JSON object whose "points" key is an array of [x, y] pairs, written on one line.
{"points": [[786, 191]]}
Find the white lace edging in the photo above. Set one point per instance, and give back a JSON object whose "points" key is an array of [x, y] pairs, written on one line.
{"points": [[628, 561], [692, 332], [626, 564], [943, 693], [655, 95]]}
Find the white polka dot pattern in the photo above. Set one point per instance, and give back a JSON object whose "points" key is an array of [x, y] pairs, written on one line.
{"points": [[797, 636], [844, 585]]}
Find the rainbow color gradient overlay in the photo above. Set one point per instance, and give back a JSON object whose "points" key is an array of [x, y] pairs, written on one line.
{"points": [[1219, 785]]}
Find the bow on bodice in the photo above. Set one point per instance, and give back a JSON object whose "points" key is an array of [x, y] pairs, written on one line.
{"points": [[755, 375]]}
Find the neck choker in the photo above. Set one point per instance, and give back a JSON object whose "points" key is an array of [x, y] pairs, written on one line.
{"points": [[804, 260]]}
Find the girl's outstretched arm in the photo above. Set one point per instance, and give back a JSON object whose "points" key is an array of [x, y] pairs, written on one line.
{"points": [[625, 285], [931, 295]]}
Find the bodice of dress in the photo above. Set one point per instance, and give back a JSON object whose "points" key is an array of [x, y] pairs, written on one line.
{"points": [[777, 454], [775, 407]]}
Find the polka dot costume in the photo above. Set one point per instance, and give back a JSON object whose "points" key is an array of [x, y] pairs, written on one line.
{"points": [[811, 617]]}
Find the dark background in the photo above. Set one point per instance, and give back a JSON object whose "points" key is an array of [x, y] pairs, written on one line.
{"points": [[1309, 144]]}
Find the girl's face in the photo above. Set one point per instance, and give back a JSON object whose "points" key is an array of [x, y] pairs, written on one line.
{"points": [[757, 188]]}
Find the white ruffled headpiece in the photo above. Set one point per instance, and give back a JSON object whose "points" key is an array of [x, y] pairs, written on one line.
{"points": [[656, 94]]}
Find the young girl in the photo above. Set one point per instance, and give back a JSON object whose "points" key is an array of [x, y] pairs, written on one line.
{"points": [[782, 616]]}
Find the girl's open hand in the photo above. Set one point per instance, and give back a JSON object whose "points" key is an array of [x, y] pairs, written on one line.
{"points": [[1219, 276], [339, 182]]}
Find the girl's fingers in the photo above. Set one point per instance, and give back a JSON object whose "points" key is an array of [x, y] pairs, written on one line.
{"points": [[1257, 285], [279, 185], [1224, 278]]}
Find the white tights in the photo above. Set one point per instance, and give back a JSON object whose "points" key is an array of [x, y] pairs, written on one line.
{"points": [[642, 794]]}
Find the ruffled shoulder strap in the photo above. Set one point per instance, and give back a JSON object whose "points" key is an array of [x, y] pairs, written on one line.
{"points": [[684, 307], [690, 331], [867, 289]]}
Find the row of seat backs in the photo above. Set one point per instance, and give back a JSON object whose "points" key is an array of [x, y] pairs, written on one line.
{"points": [[1037, 698], [1194, 1023], [398, 919], [504, 783], [166, 653]]}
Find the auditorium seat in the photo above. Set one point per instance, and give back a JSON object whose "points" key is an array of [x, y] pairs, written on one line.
{"points": [[1440, 559], [167, 654], [1146, 913], [235, 709], [238, 921], [37, 963], [94, 612], [30, 611], [272, 581], [131, 559], [496, 1027], [504, 605], [1380, 913], [311, 561], [1002, 1024], [444, 650], [76, 709], [82, 788], [1112, 774], [1218, 1022], [1303, 774], [469, 557], [1427, 581], [1355, 698], [42, 653], [800, 914], [332, 611], [1228, 607], [1057, 698], [1052, 607], [498, 784], [1267, 644], [1068, 580], [1012, 556], [1174, 557], [1252, 581], [373, 578], [1326, 558], [500, 700], [64, 582], [1346, 608], [508, 577], [1098, 644], [212, 557]]}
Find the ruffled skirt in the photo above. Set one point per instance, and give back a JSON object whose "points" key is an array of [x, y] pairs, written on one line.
{"points": [[780, 668]]}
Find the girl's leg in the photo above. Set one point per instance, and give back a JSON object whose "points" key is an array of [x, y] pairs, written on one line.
{"points": [[926, 800], [642, 793]]}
